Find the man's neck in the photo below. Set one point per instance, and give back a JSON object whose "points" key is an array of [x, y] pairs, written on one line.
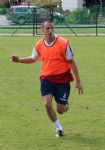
{"points": [[49, 40]]}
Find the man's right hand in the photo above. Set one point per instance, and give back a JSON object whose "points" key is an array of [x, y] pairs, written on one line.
{"points": [[14, 58]]}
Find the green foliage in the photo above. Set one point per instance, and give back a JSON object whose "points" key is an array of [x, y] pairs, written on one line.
{"points": [[3, 11], [1, 3], [79, 16], [0, 11]]}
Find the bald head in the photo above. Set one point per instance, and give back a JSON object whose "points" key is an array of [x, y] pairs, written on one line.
{"points": [[47, 22]]}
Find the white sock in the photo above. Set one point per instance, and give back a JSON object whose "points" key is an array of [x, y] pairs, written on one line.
{"points": [[57, 125]]}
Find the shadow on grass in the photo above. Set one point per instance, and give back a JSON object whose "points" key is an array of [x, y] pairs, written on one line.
{"points": [[92, 141]]}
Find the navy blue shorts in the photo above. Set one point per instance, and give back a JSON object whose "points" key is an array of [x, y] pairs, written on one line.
{"points": [[60, 91]]}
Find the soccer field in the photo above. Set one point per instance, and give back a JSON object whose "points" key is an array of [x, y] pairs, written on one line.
{"points": [[24, 124]]}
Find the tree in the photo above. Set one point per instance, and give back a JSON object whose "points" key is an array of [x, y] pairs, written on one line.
{"points": [[1, 3], [91, 3], [4, 3], [46, 2]]}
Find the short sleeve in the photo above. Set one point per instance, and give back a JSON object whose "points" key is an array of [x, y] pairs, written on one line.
{"points": [[69, 53], [35, 54]]}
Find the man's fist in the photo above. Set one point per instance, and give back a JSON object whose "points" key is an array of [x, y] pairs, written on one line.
{"points": [[14, 58]]}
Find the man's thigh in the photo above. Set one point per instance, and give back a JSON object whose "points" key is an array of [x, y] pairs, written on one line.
{"points": [[46, 88], [61, 93]]}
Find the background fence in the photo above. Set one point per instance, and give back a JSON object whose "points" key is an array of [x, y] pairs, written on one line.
{"points": [[82, 21]]}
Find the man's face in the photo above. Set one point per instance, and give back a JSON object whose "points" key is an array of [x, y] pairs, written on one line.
{"points": [[48, 29]]}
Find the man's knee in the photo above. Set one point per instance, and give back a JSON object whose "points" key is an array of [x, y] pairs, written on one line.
{"points": [[60, 110], [47, 105], [48, 101]]}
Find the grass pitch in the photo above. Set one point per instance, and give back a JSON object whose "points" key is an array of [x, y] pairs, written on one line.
{"points": [[24, 124]]}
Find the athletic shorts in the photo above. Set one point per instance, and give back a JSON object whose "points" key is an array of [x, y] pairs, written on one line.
{"points": [[60, 91]]}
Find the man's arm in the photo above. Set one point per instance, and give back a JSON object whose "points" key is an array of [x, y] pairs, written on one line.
{"points": [[77, 77], [26, 60]]}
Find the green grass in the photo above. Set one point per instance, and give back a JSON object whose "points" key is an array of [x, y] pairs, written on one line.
{"points": [[57, 31], [24, 124]]}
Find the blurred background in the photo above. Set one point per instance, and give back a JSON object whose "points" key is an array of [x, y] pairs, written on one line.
{"points": [[75, 17]]}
